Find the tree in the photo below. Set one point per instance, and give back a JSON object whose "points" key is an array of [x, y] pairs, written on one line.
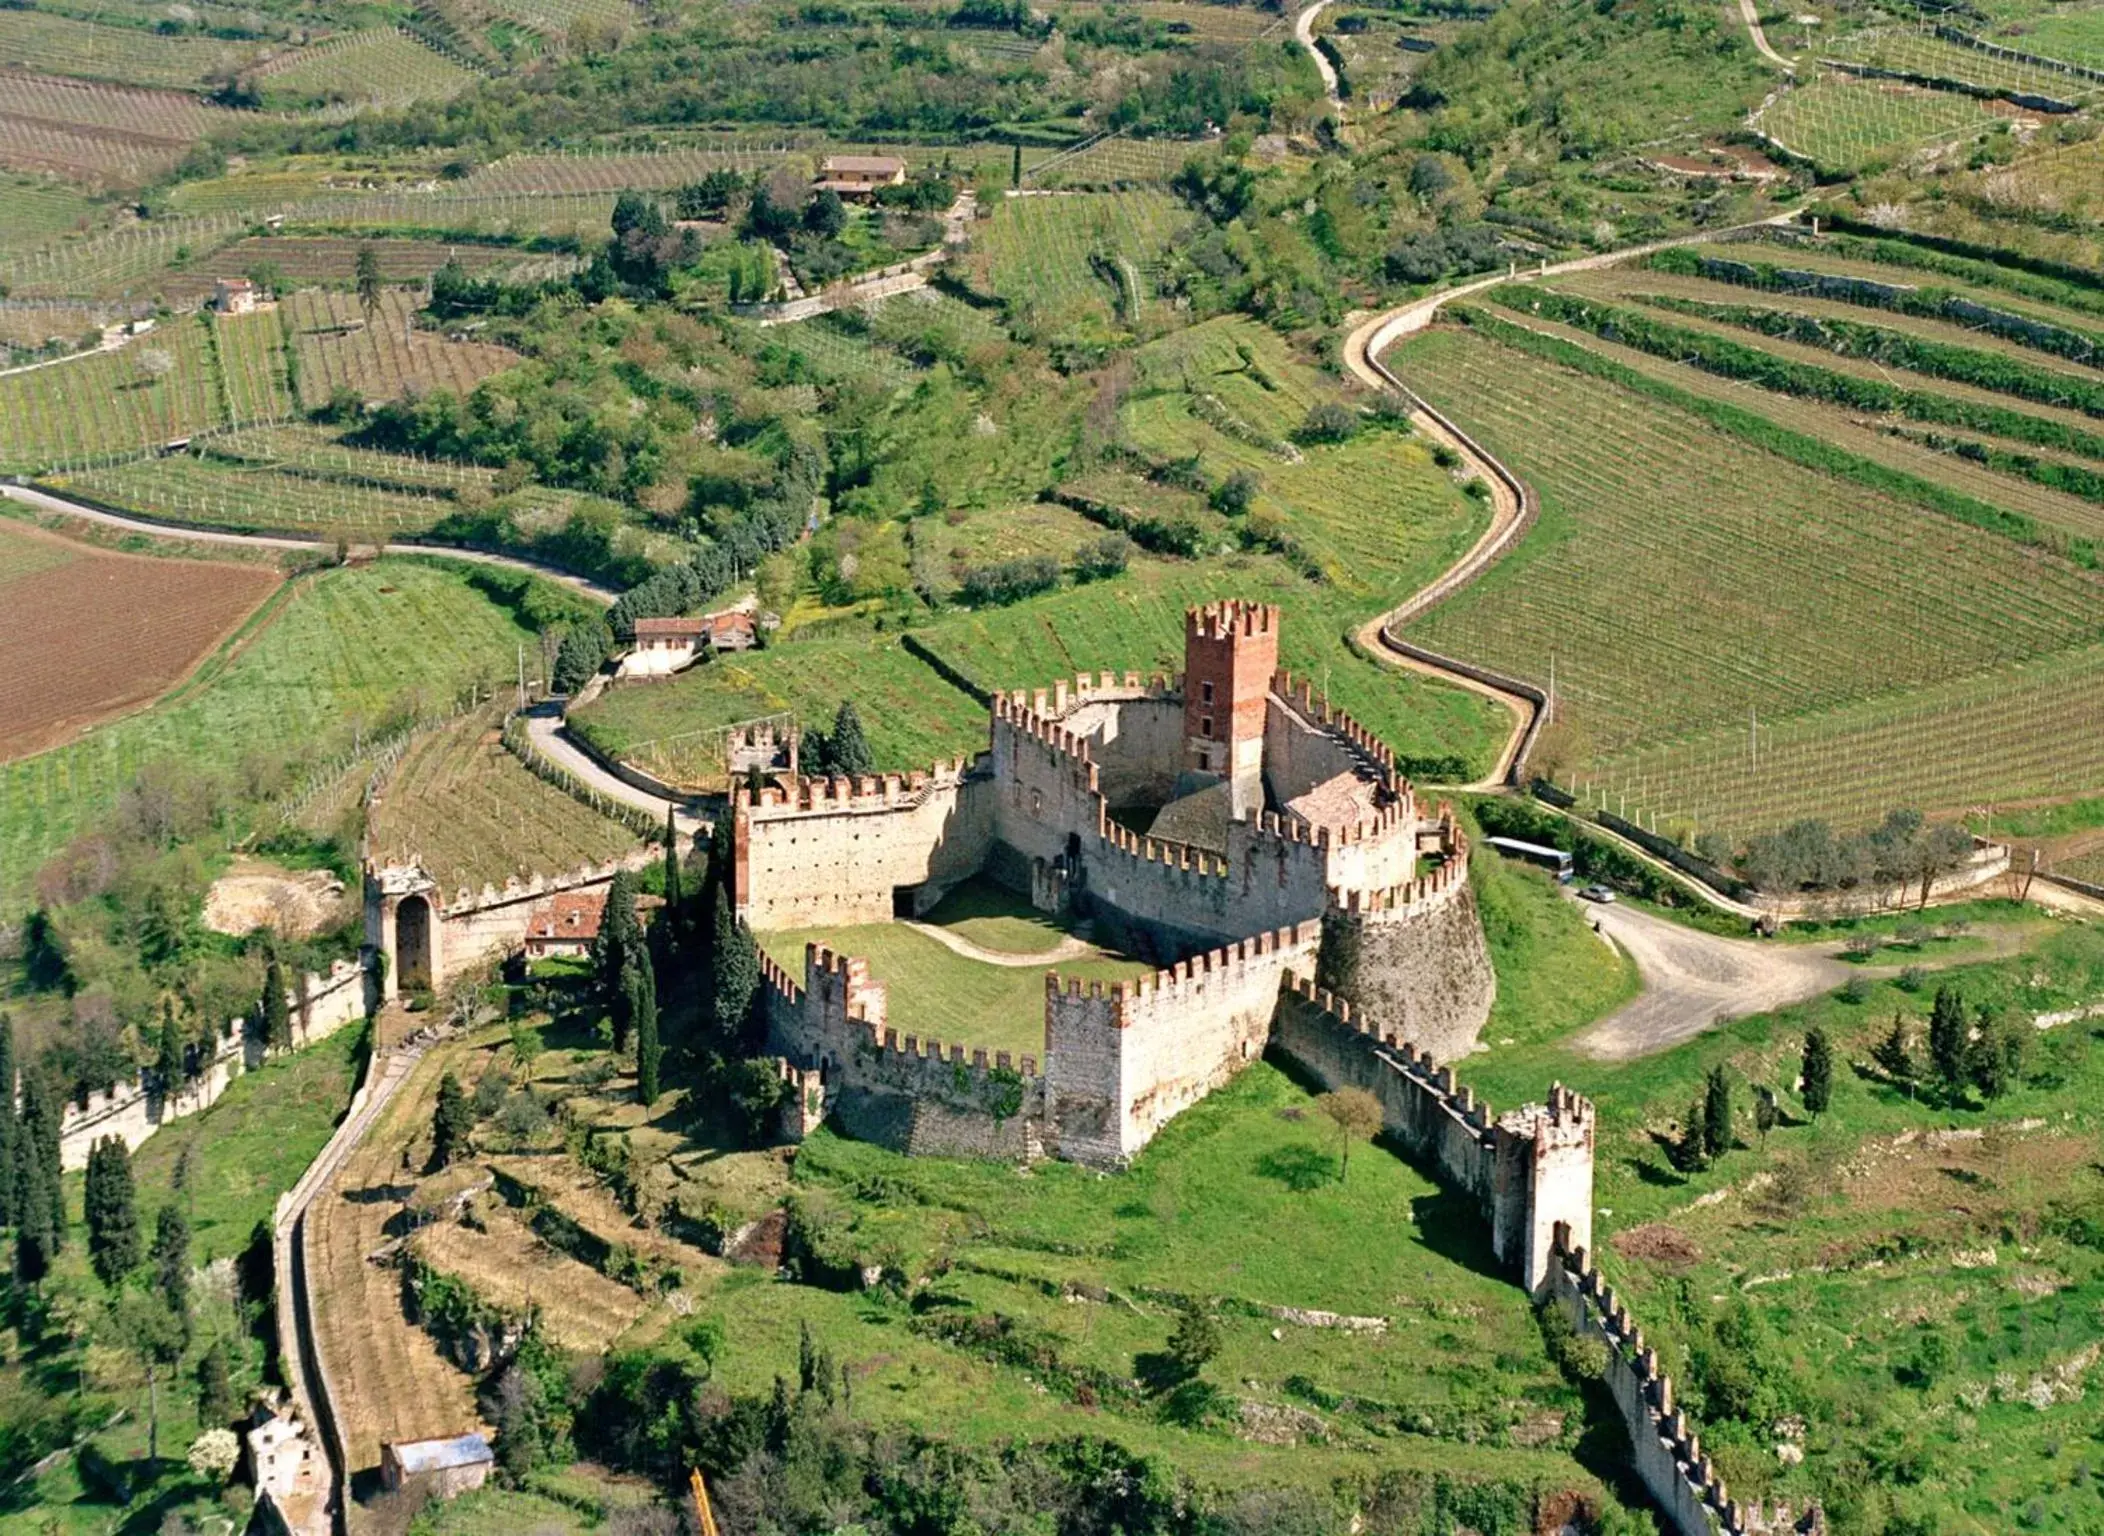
{"points": [[171, 1262], [734, 972], [641, 1006], [1818, 1072], [1895, 1055], [1357, 1116], [1196, 1340], [674, 897], [451, 1123], [276, 1012], [37, 1158], [215, 1392], [1948, 1040], [637, 253], [617, 952], [110, 1202], [368, 279], [1765, 1112], [825, 216], [848, 747], [153, 1334], [8, 1125], [168, 1062], [1015, 164], [214, 1454], [1996, 1059], [1716, 1114]]}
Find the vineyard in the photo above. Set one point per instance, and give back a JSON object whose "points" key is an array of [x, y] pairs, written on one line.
{"points": [[469, 813], [1040, 251], [59, 45], [2031, 731], [382, 68], [615, 171], [1909, 51], [1682, 581], [337, 349], [1846, 125], [156, 387], [342, 653], [98, 133], [1119, 161], [208, 491], [556, 17], [27, 326], [93, 633], [2073, 35], [252, 363], [38, 210], [313, 260]]}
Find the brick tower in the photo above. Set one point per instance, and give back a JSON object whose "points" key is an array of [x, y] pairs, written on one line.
{"points": [[1230, 655]]}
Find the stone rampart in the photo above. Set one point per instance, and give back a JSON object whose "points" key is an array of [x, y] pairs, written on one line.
{"points": [[1527, 1170], [1412, 957], [1124, 1058], [830, 852], [133, 1111]]}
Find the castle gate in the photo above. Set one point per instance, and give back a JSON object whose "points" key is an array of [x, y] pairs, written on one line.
{"points": [[413, 944]]}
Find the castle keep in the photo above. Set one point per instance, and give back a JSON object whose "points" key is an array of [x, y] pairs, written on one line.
{"points": [[1229, 824]]}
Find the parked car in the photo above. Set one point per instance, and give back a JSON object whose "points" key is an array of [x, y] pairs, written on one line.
{"points": [[1599, 893]]}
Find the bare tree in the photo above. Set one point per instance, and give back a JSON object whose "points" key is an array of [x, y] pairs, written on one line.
{"points": [[1357, 1116]]}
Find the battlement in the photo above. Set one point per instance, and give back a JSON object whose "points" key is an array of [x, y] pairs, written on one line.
{"points": [[1156, 850], [1229, 619], [953, 1058], [842, 989], [1318, 709], [1062, 698], [1412, 896], [1228, 965], [1291, 829], [1668, 1452], [785, 986], [1454, 1098], [872, 792]]}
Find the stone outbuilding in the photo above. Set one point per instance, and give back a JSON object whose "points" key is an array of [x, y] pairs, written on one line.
{"points": [[448, 1467]]}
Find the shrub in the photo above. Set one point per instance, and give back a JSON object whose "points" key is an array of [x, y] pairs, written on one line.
{"points": [[1329, 422], [1009, 581]]}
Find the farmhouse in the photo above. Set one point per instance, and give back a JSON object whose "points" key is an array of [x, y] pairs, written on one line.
{"points": [[451, 1466], [1282, 848], [664, 646], [565, 924], [233, 296], [859, 175]]}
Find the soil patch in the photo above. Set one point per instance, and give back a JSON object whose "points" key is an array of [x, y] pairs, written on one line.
{"points": [[253, 894], [1658, 1243]]}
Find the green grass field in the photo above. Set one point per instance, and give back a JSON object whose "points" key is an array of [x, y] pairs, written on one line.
{"points": [[39, 210], [1777, 590], [342, 651], [937, 994], [62, 45], [1040, 250]]}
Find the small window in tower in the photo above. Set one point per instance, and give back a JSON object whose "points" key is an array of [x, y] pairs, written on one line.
{"points": [[1205, 726], [1205, 692]]}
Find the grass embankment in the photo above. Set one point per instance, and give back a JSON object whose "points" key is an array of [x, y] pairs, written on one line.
{"points": [[236, 1158]]}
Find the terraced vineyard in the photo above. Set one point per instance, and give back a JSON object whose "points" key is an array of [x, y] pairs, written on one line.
{"points": [[1122, 162], [467, 811], [45, 43], [98, 134], [1039, 252], [1844, 125], [215, 494], [611, 173], [337, 349], [382, 67], [1910, 51], [1684, 583], [341, 652], [157, 387], [38, 210], [556, 17]]}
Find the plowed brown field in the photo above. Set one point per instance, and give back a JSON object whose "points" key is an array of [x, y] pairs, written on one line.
{"points": [[91, 633]]}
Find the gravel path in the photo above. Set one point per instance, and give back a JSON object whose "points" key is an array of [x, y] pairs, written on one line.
{"points": [[1068, 948]]}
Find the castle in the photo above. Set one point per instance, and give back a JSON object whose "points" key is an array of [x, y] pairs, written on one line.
{"points": [[1229, 824]]}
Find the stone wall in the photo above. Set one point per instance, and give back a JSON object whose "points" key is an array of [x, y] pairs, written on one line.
{"points": [[831, 852], [133, 1111], [1413, 959], [1134, 735], [1308, 741], [1527, 1170], [1123, 1059]]}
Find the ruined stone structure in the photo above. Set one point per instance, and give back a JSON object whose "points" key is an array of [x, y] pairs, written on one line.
{"points": [[1279, 842]]}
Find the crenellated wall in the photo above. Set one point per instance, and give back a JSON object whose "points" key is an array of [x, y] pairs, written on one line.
{"points": [[830, 852], [133, 1111], [1412, 958], [1528, 1170], [1123, 1059]]}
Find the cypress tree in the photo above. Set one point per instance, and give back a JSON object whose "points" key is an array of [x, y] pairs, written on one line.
{"points": [[1716, 1114], [641, 998], [847, 746], [8, 1123], [168, 1063], [675, 898], [1895, 1054], [734, 972], [1015, 164], [37, 1159], [1947, 1041], [215, 1392], [277, 1015], [111, 1201], [36, 1242], [1818, 1072], [452, 1122], [171, 1261]]}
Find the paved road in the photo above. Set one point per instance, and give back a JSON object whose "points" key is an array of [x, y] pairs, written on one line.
{"points": [[46, 502], [1695, 981], [1304, 30], [550, 736]]}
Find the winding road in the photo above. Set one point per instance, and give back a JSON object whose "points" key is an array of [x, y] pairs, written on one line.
{"points": [[1752, 16], [1304, 33]]}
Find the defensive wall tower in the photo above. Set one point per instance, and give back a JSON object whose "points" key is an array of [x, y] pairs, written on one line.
{"points": [[1230, 654]]}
